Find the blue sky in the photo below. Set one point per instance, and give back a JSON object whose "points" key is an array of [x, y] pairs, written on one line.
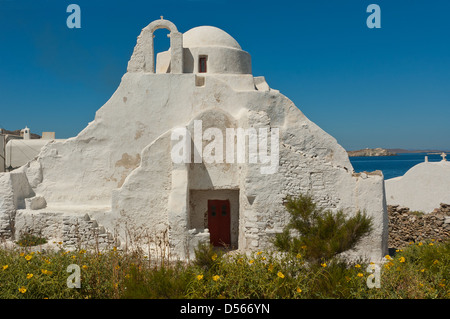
{"points": [[387, 87]]}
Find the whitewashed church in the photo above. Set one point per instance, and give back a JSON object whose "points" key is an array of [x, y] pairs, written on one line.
{"points": [[165, 154]]}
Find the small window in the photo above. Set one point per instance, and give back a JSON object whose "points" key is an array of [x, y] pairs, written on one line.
{"points": [[202, 64], [224, 210]]}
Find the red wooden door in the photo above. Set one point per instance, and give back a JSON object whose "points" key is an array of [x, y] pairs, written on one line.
{"points": [[219, 222]]}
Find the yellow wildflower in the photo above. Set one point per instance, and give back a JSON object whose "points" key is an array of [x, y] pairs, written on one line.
{"points": [[422, 270], [299, 290], [270, 268], [28, 257], [357, 266], [388, 257], [23, 290], [360, 275], [46, 272], [324, 265], [29, 276], [402, 259], [82, 251], [216, 277], [214, 257], [5, 267], [199, 277], [298, 256], [84, 267], [420, 244], [280, 274], [251, 261], [430, 244], [22, 254], [435, 262], [303, 247]]}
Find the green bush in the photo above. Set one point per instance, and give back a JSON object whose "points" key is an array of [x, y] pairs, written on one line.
{"points": [[37, 275], [167, 282], [207, 256], [320, 234], [240, 276], [420, 270], [27, 240]]}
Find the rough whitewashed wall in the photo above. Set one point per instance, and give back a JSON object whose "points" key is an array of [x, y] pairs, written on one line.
{"points": [[119, 167]]}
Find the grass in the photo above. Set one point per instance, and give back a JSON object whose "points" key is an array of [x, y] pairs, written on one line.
{"points": [[28, 239], [420, 270]]}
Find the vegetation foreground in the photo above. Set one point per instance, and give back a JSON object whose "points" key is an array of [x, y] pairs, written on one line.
{"points": [[418, 271], [306, 265]]}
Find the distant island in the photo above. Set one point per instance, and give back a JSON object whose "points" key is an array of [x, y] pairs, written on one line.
{"points": [[371, 152], [401, 150], [389, 152]]}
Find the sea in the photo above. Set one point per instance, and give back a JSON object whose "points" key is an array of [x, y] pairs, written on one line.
{"points": [[391, 166]]}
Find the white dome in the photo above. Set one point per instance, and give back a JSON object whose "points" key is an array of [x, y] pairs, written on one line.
{"points": [[207, 36]]}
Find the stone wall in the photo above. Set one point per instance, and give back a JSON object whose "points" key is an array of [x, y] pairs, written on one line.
{"points": [[73, 230], [407, 226]]}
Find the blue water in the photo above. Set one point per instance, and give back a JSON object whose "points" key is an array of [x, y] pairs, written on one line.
{"points": [[391, 166]]}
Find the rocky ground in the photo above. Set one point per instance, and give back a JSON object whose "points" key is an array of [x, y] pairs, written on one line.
{"points": [[407, 226]]}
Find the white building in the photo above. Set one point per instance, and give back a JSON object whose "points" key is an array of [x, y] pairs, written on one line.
{"points": [[17, 150], [204, 86], [423, 187]]}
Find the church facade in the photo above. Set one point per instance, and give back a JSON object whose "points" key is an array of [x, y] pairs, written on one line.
{"points": [[206, 152]]}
